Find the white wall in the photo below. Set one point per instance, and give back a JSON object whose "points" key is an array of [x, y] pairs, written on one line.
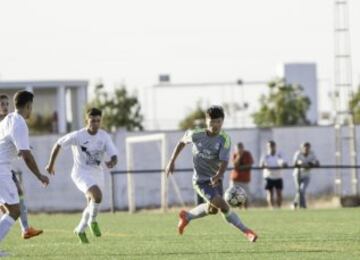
{"points": [[62, 195]]}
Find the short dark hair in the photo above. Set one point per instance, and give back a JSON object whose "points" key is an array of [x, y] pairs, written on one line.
{"points": [[272, 143], [93, 111], [21, 98], [240, 145], [4, 96], [306, 144], [215, 112]]}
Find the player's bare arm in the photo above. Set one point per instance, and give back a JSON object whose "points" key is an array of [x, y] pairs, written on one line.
{"points": [[54, 153], [113, 161], [220, 173], [171, 164], [32, 165]]}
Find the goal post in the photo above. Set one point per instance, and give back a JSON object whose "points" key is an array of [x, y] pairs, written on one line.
{"points": [[129, 142]]}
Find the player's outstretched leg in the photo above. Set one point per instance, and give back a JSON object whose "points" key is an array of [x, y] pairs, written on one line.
{"points": [[93, 224], [82, 237], [232, 218], [186, 216], [27, 231], [95, 196], [80, 229]]}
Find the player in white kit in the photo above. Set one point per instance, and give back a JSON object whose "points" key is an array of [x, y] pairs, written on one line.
{"points": [[14, 142], [27, 231], [88, 145]]}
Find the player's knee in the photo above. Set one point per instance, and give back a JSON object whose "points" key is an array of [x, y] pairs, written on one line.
{"points": [[14, 212], [212, 210], [20, 192], [98, 199]]}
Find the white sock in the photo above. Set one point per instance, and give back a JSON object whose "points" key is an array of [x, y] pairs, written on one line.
{"points": [[198, 212], [232, 218], [83, 222], [93, 210], [5, 224]]}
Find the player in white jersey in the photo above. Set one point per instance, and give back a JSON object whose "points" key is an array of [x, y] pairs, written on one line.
{"points": [[88, 145], [14, 142], [26, 230]]}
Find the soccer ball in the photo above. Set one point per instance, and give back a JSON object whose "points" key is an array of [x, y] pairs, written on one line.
{"points": [[235, 196]]}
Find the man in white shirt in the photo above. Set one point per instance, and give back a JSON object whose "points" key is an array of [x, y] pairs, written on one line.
{"points": [[304, 159], [14, 142], [88, 145], [26, 230], [273, 177]]}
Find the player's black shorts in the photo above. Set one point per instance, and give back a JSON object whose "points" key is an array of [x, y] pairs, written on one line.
{"points": [[273, 183]]}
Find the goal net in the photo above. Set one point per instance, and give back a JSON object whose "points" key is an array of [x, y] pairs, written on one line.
{"points": [[135, 149]]}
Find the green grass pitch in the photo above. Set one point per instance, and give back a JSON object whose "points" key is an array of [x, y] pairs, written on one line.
{"points": [[283, 234]]}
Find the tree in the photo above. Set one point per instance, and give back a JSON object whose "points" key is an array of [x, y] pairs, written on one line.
{"points": [[119, 109], [40, 124], [286, 104], [195, 119], [355, 106]]}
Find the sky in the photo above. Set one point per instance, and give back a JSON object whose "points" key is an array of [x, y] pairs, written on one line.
{"points": [[131, 42]]}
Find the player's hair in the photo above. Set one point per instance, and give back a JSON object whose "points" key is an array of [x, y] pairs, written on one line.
{"points": [[240, 145], [23, 97], [3, 96], [93, 112], [272, 143], [305, 144], [215, 112]]}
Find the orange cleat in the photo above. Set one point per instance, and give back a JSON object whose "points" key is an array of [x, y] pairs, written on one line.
{"points": [[182, 222], [251, 236], [31, 232]]}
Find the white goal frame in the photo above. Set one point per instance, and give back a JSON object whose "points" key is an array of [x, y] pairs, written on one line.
{"points": [[129, 141]]}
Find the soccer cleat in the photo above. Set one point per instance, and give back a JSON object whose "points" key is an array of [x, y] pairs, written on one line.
{"points": [[82, 237], [31, 232], [95, 229], [251, 236], [182, 222]]}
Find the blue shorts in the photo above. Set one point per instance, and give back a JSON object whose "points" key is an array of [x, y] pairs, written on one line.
{"points": [[208, 192]]}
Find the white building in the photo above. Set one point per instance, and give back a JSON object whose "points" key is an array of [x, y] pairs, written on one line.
{"points": [[63, 99]]}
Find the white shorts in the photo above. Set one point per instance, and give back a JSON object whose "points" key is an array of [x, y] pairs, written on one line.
{"points": [[8, 191], [86, 179]]}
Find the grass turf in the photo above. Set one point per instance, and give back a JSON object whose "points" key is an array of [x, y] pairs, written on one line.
{"points": [[283, 234]]}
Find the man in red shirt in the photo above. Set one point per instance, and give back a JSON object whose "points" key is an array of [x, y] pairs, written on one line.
{"points": [[242, 161]]}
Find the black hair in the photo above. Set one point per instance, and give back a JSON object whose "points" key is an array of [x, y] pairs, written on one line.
{"points": [[23, 97], [93, 112], [4, 96], [272, 143], [215, 112]]}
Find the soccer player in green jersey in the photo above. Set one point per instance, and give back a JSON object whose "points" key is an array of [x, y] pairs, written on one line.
{"points": [[210, 149]]}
